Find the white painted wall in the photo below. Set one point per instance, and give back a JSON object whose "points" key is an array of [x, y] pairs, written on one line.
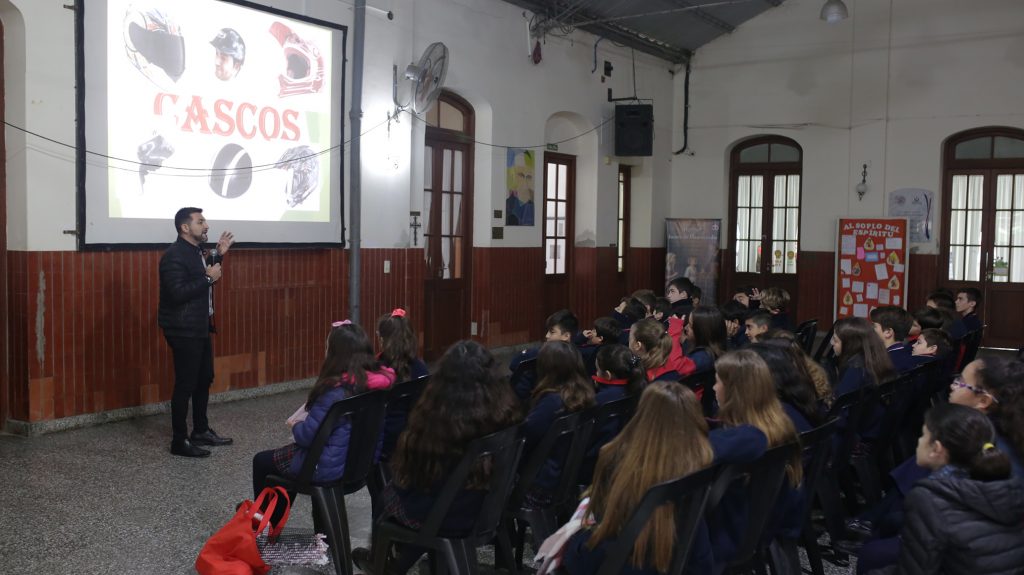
{"points": [[513, 100], [885, 87]]}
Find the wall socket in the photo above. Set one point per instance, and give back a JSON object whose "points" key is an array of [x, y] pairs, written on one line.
{"points": [[472, 328], [387, 266]]}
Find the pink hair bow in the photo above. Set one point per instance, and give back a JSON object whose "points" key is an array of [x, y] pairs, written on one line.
{"points": [[398, 312], [341, 323]]}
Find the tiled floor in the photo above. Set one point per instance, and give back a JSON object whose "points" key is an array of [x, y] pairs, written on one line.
{"points": [[111, 499]]}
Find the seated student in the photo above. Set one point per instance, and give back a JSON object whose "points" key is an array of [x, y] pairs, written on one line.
{"points": [[678, 294], [629, 311], [862, 361], [606, 332], [748, 296], [560, 326], [941, 299], [705, 330], [695, 295], [563, 387], [464, 400], [747, 398], [666, 439], [662, 310], [757, 323], [932, 344], [967, 516], [398, 351], [892, 324], [809, 368], [659, 350], [924, 318], [349, 368], [646, 297], [994, 387], [735, 315], [776, 301], [967, 302]]}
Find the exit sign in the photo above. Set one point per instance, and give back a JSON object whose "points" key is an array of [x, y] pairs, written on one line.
{"points": [[552, 147]]}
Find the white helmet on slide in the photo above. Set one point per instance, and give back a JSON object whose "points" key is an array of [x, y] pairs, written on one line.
{"points": [[304, 66], [154, 45], [304, 165]]}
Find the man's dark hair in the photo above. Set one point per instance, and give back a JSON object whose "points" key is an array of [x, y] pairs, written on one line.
{"points": [[663, 306], [607, 329], [733, 310], [184, 216], [973, 294], [565, 320], [760, 317], [895, 318], [928, 318], [682, 285]]}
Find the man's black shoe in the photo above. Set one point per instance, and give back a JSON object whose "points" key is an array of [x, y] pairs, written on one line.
{"points": [[210, 437], [185, 448]]}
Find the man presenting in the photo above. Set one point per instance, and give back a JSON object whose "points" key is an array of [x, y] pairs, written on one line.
{"points": [[187, 276]]}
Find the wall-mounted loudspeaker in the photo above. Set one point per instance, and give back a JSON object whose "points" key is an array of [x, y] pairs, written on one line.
{"points": [[634, 130]]}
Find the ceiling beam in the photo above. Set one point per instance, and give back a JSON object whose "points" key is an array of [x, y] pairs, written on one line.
{"points": [[704, 16]]}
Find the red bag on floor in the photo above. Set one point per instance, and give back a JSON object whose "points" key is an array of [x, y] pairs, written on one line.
{"points": [[232, 549]]}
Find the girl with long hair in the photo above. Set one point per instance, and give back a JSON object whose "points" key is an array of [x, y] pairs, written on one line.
{"points": [[665, 440], [707, 335], [659, 350], [968, 515], [619, 374], [465, 400], [793, 387], [804, 363], [349, 368], [747, 397], [562, 388], [862, 359], [398, 351]]}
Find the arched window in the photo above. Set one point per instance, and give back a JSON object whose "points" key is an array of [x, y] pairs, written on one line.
{"points": [[764, 201]]}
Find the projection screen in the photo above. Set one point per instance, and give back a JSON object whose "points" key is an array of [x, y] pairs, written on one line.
{"points": [[223, 105]]}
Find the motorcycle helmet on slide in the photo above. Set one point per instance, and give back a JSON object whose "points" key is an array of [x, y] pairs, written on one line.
{"points": [[304, 165], [304, 65], [232, 172], [154, 45]]}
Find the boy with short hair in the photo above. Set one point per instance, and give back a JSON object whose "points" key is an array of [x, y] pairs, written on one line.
{"points": [[930, 345], [967, 302], [678, 294], [606, 331], [892, 324], [757, 323], [662, 310], [735, 315], [561, 325], [776, 301]]}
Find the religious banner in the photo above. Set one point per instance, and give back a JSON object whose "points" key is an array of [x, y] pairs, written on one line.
{"points": [[692, 252], [871, 266]]}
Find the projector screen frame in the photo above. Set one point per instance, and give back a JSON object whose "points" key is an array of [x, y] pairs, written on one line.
{"points": [[82, 152]]}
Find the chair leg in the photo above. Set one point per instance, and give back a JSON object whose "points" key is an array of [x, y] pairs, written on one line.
{"points": [[809, 541], [504, 556], [346, 540], [323, 505]]}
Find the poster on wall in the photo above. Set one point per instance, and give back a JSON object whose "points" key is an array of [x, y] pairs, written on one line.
{"points": [[519, 175], [871, 268], [692, 252], [916, 206]]}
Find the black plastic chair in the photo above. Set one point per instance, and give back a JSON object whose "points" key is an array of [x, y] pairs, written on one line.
{"points": [[526, 371], [816, 444], [971, 342], [689, 495], [609, 419], [836, 480], [762, 481], [365, 413], [825, 350], [805, 334], [502, 449], [576, 430], [400, 399], [703, 381]]}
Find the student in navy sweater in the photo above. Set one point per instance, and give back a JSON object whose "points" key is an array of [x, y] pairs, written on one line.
{"points": [[464, 400], [398, 351], [776, 301], [349, 368], [967, 302], [665, 440], [862, 361], [705, 330], [679, 293], [560, 326], [931, 345], [735, 315], [756, 324], [563, 387], [809, 369], [590, 342], [892, 325], [747, 397]]}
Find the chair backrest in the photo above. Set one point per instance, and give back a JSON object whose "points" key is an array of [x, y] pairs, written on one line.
{"points": [[805, 334], [503, 449], [525, 366], [404, 395], [365, 412], [852, 406], [971, 342], [816, 444], [763, 481], [704, 381], [575, 428], [617, 413], [689, 495], [825, 347]]}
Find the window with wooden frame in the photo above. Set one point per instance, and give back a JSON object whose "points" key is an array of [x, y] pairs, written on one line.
{"points": [[622, 221]]}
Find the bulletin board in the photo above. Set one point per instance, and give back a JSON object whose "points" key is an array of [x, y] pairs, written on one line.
{"points": [[871, 265]]}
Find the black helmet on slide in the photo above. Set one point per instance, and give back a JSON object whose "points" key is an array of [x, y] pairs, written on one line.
{"points": [[230, 42], [154, 44]]}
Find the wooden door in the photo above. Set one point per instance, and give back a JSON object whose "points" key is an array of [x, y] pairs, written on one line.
{"points": [[983, 233], [559, 213], [447, 206]]}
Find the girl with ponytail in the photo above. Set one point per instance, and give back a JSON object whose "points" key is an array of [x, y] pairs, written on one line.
{"points": [[398, 351], [659, 350], [968, 515]]}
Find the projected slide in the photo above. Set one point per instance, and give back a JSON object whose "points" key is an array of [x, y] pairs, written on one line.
{"points": [[220, 106]]}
